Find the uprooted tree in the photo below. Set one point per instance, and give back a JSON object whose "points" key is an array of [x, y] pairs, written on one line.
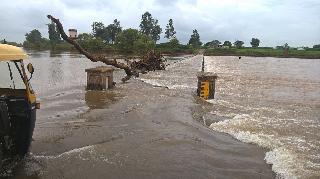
{"points": [[149, 61]]}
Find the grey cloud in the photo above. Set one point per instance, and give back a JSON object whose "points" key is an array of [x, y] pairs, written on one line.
{"points": [[274, 22], [165, 2]]}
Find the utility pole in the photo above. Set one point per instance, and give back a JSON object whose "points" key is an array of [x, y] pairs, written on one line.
{"points": [[202, 69]]}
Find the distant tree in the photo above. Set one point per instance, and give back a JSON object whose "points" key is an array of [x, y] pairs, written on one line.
{"points": [[316, 46], [84, 37], [113, 30], [156, 32], [132, 41], [97, 28], [54, 35], [216, 43], [213, 44], [170, 32], [255, 42], [95, 45], [208, 44], [195, 39], [100, 31], [238, 44], [174, 43], [126, 39], [34, 36], [143, 44], [286, 49], [90, 43], [150, 27], [34, 39], [146, 24], [227, 43], [3, 41], [10, 43], [107, 34]]}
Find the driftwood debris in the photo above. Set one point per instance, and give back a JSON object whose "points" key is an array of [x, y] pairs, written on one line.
{"points": [[148, 62]]}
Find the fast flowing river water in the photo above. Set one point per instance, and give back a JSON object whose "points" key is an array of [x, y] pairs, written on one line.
{"points": [[269, 102]]}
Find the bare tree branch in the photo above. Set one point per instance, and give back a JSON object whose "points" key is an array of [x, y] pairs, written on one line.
{"points": [[94, 58], [149, 62]]}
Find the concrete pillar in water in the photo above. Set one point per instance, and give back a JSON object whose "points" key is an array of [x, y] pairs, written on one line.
{"points": [[206, 85], [100, 78]]}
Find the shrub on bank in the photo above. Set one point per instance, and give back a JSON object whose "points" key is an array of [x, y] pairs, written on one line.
{"points": [[263, 52], [172, 48]]}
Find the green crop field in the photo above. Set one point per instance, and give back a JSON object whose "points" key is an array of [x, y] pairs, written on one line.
{"points": [[264, 52]]}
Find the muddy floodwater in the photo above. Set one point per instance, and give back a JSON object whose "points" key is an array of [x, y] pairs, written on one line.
{"points": [[264, 122]]}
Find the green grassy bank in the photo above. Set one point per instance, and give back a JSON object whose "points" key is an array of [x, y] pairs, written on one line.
{"points": [[112, 49], [264, 52]]}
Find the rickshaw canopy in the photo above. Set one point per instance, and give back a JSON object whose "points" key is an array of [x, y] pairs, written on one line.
{"points": [[10, 52]]}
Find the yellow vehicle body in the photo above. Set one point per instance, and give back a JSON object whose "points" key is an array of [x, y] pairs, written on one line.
{"points": [[13, 53], [17, 104], [9, 52]]}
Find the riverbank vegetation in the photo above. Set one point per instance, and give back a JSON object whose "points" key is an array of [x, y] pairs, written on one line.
{"points": [[149, 60], [115, 40], [215, 48], [4, 41], [265, 52]]}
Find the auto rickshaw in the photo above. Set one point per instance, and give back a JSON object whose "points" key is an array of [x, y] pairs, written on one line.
{"points": [[17, 104]]}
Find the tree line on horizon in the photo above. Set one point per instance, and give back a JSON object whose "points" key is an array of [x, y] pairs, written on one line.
{"points": [[130, 40]]}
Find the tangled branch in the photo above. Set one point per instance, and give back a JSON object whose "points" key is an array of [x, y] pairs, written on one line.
{"points": [[149, 62], [94, 58]]}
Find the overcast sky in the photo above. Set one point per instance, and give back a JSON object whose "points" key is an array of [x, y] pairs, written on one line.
{"points": [[274, 22]]}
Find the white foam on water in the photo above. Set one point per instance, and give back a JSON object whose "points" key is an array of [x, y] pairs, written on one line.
{"points": [[291, 138], [186, 60], [241, 107], [180, 87], [58, 103], [67, 153], [174, 77], [153, 82], [87, 153], [286, 162], [166, 84]]}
